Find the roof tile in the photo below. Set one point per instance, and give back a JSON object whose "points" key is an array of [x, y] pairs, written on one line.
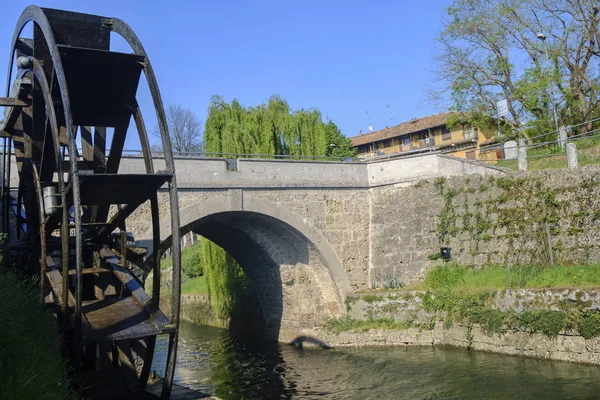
{"points": [[414, 125]]}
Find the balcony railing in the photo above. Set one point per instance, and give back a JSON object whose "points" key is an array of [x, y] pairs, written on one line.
{"points": [[417, 145]]}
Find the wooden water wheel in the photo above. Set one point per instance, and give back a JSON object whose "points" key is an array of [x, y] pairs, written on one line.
{"points": [[66, 204]]}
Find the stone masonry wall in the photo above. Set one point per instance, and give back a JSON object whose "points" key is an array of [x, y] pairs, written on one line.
{"points": [[486, 220], [342, 216], [431, 328]]}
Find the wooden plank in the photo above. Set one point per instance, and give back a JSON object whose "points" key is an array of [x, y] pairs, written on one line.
{"points": [[114, 160], [87, 147], [94, 270], [139, 346], [11, 102], [55, 279], [119, 318], [128, 366], [100, 146], [129, 281], [20, 90]]}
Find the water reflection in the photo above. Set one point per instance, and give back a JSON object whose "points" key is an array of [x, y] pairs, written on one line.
{"points": [[232, 367]]}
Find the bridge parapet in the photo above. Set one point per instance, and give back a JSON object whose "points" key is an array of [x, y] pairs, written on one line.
{"points": [[221, 173], [249, 173]]}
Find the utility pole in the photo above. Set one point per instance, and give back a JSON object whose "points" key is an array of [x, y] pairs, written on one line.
{"points": [[542, 37]]}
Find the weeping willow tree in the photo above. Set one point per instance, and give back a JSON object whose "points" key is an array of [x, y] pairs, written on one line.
{"points": [[268, 129], [228, 284]]}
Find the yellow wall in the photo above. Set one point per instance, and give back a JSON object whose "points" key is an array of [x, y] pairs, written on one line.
{"points": [[485, 134], [457, 136]]}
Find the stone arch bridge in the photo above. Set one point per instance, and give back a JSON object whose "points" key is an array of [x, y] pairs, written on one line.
{"points": [[306, 233]]}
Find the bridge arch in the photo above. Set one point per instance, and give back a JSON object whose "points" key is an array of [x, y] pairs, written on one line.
{"points": [[298, 277]]}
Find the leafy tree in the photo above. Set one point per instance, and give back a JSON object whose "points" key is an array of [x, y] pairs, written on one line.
{"points": [[537, 54], [338, 145]]}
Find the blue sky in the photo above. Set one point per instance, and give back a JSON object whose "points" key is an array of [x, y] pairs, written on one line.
{"points": [[359, 62]]}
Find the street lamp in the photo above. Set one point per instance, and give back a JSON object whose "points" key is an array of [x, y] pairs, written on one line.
{"points": [[542, 37]]}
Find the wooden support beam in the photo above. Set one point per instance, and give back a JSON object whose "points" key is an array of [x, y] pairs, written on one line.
{"points": [[87, 145]]}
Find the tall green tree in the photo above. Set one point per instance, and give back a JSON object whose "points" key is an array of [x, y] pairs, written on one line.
{"points": [[537, 54], [338, 145], [272, 128]]}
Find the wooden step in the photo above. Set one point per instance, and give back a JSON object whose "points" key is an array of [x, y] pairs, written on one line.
{"points": [[19, 92], [12, 102], [119, 318], [86, 271]]}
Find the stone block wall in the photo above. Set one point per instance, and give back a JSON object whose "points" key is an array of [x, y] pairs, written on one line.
{"points": [[486, 220], [342, 217], [427, 327]]}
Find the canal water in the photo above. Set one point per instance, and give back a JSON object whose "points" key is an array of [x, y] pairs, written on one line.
{"points": [[218, 362]]}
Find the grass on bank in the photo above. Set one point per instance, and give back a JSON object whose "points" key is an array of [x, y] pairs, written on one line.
{"points": [[465, 295], [31, 363], [196, 285], [193, 281], [588, 153], [462, 278]]}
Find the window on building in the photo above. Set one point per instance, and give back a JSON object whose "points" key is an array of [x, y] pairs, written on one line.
{"points": [[364, 149], [446, 134], [468, 131], [406, 143]]}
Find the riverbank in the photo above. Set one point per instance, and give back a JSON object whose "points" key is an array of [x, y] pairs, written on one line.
{"points": [[196, 308], [234, 366], [495, 309], [553, 324], [31, 362]]}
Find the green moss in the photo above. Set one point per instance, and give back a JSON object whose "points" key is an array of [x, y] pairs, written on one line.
{"points": [[439, 183], [390, 308], [589, 324], [345, 323], [434, 256], [350, 300], [447, 225], [372, 298], [504, 183], [548, 322]]}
